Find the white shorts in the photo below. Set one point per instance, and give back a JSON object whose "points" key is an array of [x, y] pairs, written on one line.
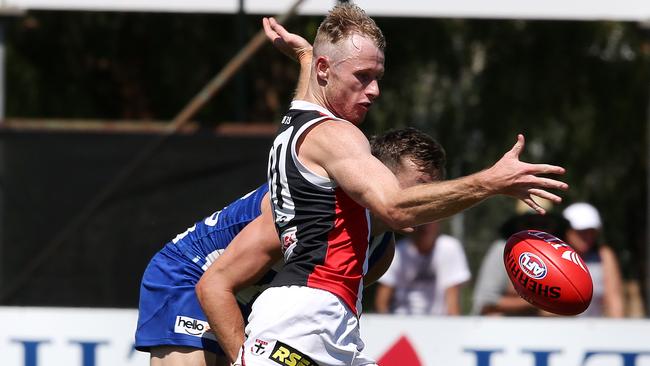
{"points": [[302, 326]]}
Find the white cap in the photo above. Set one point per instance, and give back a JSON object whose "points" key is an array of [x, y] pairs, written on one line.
{"points": [[582, 216]]}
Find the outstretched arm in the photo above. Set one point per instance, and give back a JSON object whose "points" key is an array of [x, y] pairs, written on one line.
{"points": [[372, 185], [293, 46], [248, 257]]}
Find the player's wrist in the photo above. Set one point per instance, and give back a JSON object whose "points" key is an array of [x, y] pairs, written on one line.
{"points": [[483, 183], [304, 56]]}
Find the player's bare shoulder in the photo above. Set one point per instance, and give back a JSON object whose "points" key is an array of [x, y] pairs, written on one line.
{"points": [[333, 139], [338, 138]]}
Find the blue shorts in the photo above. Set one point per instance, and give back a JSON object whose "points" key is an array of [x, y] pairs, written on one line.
{"points": [[169, 313]]}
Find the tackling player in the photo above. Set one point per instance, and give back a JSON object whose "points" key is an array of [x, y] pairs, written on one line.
{"points": [[212, 257], [171, 324]]}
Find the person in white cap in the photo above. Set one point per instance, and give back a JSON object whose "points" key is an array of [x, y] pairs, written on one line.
{"points": [[584, 237]]}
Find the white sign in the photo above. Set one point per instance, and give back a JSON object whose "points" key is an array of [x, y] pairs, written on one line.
{"points": [[492, 341], [68, 337], [624, 10], [104, 337]]}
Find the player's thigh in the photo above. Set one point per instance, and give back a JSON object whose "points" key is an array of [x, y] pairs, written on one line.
{"points": [[185, 356]]}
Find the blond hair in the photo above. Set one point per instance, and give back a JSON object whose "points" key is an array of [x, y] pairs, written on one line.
{"points": [[343, 21]]}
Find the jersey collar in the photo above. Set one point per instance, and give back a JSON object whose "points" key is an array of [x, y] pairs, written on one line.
{"points": [[304, 105]]}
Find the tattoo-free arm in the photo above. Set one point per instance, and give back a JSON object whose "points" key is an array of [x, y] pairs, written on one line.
{"points": [[248, 257], [370, 183]]}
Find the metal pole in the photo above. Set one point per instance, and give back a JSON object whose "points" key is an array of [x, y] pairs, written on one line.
{"points": [[240, 78], [645, 47], [646, 53], [214, 86], [2, 70], [2, 148]]}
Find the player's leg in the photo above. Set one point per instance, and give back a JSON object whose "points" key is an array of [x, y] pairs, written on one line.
{"points": [[302, 326], [184, 356], [170, 319]]}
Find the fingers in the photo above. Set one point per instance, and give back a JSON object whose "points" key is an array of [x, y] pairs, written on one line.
{"points": [[535, 192], [548, 183], [532, 204], [268, 29], [518, 147], [545, 195], [546, 169], [278, 28]]}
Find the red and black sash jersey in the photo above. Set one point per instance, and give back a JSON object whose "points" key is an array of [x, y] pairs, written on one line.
{"points": [[324, 233]]}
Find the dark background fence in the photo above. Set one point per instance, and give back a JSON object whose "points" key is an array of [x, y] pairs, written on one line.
{"points": [[48, 178]]}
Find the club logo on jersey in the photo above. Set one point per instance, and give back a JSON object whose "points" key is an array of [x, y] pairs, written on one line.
{"points": [[193, 327], [259, 347], [286, 355], [288, 239], [532, 265]]}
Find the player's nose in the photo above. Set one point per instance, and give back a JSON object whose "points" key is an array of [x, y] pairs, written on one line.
{"points": [[372, 91]]}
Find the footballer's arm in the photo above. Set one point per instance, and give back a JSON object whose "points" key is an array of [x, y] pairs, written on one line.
{"points": [[370, 183], [256, 248], [248, 257]]}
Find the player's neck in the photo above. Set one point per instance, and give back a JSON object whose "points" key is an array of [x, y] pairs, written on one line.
{"points": [[313, 96]]}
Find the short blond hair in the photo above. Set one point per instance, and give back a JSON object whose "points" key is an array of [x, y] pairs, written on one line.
{"points": [[345, 20]]}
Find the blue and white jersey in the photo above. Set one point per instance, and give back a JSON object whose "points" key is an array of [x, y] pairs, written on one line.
{"points": [[204, 242], [169, 313]]}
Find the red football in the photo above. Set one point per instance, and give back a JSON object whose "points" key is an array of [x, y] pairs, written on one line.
{"points": [[547, 273]]}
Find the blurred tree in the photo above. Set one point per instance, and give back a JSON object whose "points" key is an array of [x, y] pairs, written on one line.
{"points": [[577, 90]]}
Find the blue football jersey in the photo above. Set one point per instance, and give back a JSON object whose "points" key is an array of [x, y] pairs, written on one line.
{"points": [[204, 242]]}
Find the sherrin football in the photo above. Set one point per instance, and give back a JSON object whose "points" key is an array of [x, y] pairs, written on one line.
{"points": [[547, 273]]}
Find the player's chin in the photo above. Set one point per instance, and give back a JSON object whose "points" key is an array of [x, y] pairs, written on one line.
{"points": [[358, 115]]}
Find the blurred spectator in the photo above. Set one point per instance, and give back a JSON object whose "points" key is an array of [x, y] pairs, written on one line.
{"points": [[585, 238], [493, 292], [426, 275]]}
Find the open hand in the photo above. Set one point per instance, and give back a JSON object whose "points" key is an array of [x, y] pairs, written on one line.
{"points": [[523, 181], [290, 44]]}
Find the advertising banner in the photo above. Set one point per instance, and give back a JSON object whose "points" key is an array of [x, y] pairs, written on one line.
{"points": [[492, 341], [68, 337], [104, 337]]}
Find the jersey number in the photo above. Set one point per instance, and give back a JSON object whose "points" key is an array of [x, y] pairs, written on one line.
{"points": [[281, 200]]}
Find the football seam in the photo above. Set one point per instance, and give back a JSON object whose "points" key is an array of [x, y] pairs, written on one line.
{"points": [[560, 270]]}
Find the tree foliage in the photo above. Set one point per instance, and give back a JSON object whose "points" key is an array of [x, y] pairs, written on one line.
{"points": [[577, 90]]}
